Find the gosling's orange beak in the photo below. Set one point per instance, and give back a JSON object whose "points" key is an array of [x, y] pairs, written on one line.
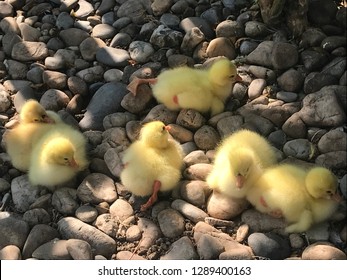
{"points": [[239, 181], [168, 128], [238, 78], [73, 163], [47, 119], [336, 197]]}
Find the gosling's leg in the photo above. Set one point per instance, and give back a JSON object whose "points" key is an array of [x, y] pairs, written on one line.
{"points": [[153, 198]]}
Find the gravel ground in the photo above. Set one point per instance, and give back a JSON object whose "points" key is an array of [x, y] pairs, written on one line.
{"points": [[77, 57]]}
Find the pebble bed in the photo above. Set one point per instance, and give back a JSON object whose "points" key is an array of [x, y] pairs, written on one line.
{"points": [[76, 57]]}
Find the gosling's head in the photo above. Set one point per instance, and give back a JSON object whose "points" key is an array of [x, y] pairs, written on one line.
{"points": [[33, 112], [223, 72], [321, 183], [241, 164], [155, 134], [60, 151]]}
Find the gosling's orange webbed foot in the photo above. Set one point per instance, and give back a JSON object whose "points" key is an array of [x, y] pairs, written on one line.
{"points": [[134, 84], [153, 198]]}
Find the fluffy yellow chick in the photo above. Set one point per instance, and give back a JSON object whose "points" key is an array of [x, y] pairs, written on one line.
{"points": [[33, 112], [287, 191], [239, 161], [152, 163], [19, 142], [321, 184], [188, 88], [57, 156], [34, 121]]}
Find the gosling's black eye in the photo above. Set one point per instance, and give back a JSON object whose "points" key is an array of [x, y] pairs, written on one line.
{"points": [[163, 128], [329, 192], [36, 120], [66, 159]]}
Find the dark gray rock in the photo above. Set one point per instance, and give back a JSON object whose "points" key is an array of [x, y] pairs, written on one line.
{"points": [[105, 101], [269, 245]]}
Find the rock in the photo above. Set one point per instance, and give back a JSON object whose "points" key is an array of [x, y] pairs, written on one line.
{"points": [[73, 36], [133, 233], [191, 39], [190, 119], [91, 74], [64, 200], [313, 60], [196, 156], [322, 108], [171, 223], [140, 51], [39, 235], [259, 222], [333, 160], [182, 249], [10, 252], [262, 55], [208, 247], [237, 254], [334, 140], [286, 96], [194, 192], [163, 37], [119, 119], [190, 22], [198, 171], [23, 194], [180, 133], [107, 224], [113, 161], [105, 101], [52, 250], [101, 243], [284, 55], [89, 48], [256, 29], [299, 148], [295, 127], [103, 31], [322, 251], [79, 249], [54, 99], [150, 233], [29, 51], [332, 42], [138, 103], [86, 213], [226, 126], [189, 210], [36, 216], [121, 209], [269, 245], [223, 207], [126, 255], [256, 88], [317, 80], [161, 113], [206, 138], [221, 46], [291, 80], [97, 187], [230, 29], [13, 230]]}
